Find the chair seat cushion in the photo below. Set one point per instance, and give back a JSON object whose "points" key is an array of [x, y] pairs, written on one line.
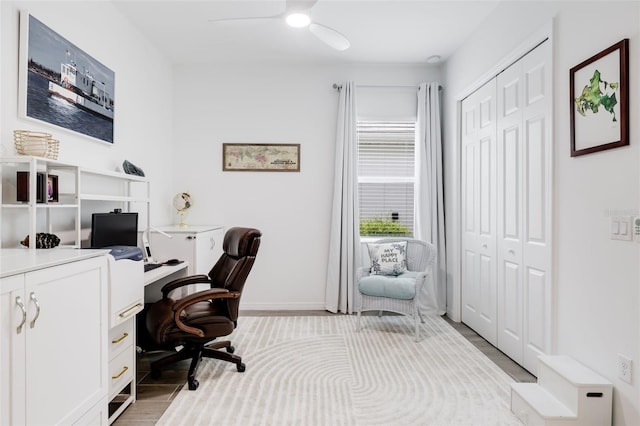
{"points": [[203, 315], [402, 286]]}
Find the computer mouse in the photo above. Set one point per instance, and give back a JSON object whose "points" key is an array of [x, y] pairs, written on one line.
{"points": [[172, 262]]}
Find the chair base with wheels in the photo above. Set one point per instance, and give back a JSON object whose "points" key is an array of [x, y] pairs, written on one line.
{"points": [[195, 352]]}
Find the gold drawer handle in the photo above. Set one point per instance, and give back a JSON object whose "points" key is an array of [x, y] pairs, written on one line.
{"points": [[131, 309], [117, 376], [121, 338]]}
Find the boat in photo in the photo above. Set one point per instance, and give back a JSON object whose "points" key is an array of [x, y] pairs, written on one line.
{"points": [[82, 90]]}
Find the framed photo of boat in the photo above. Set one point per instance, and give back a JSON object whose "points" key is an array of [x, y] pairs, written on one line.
{"points": [[62, 85]]}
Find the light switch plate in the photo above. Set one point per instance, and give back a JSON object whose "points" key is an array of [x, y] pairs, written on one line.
{"points": [[621, 228], [636, 229]]}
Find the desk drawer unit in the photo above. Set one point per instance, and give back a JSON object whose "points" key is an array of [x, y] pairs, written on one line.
{"points": [[121, 338], [121, 370], [126, 290]]}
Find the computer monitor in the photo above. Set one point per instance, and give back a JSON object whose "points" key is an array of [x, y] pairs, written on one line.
{"points": [[114, 229]]}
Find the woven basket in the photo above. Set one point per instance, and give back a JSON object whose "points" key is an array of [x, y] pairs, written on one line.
{"points": [[36, 143]]}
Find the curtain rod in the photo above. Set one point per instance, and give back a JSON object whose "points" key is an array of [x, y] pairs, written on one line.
{"points": [[338, 87]]}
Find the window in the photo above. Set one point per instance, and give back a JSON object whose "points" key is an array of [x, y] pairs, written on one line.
{"points": [[386, 177]]}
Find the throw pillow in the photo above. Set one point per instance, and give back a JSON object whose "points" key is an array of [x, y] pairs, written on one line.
{"points": [[388, 258]]}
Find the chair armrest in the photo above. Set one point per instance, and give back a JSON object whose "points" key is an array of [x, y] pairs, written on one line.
{"points": [[181, 282], [421, 278], [200, 296], [362, 271]]}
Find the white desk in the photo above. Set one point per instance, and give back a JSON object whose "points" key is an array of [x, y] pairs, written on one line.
{"points": [[164, 271], [156, 278]]}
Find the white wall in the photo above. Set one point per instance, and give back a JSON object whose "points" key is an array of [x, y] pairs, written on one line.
{"points": [[596, 279], [143, 94], [269, 104]]}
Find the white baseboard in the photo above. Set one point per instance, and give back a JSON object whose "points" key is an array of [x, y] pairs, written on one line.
{"points": [[282, 306]]}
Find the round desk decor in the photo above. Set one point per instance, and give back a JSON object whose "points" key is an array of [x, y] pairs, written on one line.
{"points": [[182, 202]]}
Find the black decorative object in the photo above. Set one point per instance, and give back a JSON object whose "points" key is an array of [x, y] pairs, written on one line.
{"points": [[43, 240], [130, 169], [22, 180]]}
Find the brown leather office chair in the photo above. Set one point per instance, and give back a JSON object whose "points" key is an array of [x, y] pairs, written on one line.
{"points": [[197, 319]]}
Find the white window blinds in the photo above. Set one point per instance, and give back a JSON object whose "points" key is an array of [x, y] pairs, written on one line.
{"points": [[386, 177]]}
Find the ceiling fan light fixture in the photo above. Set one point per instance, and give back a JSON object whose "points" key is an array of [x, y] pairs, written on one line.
{"points": [[298, 20]]}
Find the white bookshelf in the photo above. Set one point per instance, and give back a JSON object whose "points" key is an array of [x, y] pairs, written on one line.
{"points": [[81, 191]]}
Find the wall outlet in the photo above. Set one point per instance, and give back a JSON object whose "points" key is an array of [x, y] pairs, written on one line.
{"points": [[624, 368]]}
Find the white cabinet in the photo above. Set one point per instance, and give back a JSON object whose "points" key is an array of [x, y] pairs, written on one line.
{"points": [[53, 349], [200, 245], [77, 192]]}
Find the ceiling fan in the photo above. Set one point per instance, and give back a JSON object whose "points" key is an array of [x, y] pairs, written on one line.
{"points": [[296, 15]]}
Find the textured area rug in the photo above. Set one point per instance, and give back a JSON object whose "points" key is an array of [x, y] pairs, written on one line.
{"points": [[318, 370]]}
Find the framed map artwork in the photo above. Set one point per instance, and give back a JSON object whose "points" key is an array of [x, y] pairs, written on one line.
{"points": [[252, 157]]}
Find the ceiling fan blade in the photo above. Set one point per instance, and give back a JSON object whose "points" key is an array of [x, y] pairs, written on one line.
{"points": [[330, 36], [248, 18], [298, 5]]}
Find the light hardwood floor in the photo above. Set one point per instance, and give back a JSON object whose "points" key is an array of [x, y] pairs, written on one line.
{"points": [[155, 395]]}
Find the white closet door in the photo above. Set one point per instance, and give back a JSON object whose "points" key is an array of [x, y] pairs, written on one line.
{"points": [[536, 204], [479, 216], [509, 250], [506, 208], [524, 208]]}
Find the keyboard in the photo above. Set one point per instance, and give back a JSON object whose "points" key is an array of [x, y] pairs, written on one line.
{"points": [[151, 266]]}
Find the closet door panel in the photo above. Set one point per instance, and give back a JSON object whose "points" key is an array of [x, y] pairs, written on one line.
{"points": [[536, 81], [510, 311], [469, 193], [486, 298], [537, 200], [510, 183], [487, 180], [487, 303], [536, 284], [510, 94], [509, 250], [470, 233], [479, 213], [471, 292]]}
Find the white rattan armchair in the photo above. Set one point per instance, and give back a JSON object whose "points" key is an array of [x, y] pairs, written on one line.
{"points": [[420, 256]]}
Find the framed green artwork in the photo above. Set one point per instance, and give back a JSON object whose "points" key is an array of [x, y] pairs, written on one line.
{"points": [[599, 100]]}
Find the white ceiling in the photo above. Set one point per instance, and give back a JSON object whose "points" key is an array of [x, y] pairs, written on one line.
{"points": [[380, 31]]}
